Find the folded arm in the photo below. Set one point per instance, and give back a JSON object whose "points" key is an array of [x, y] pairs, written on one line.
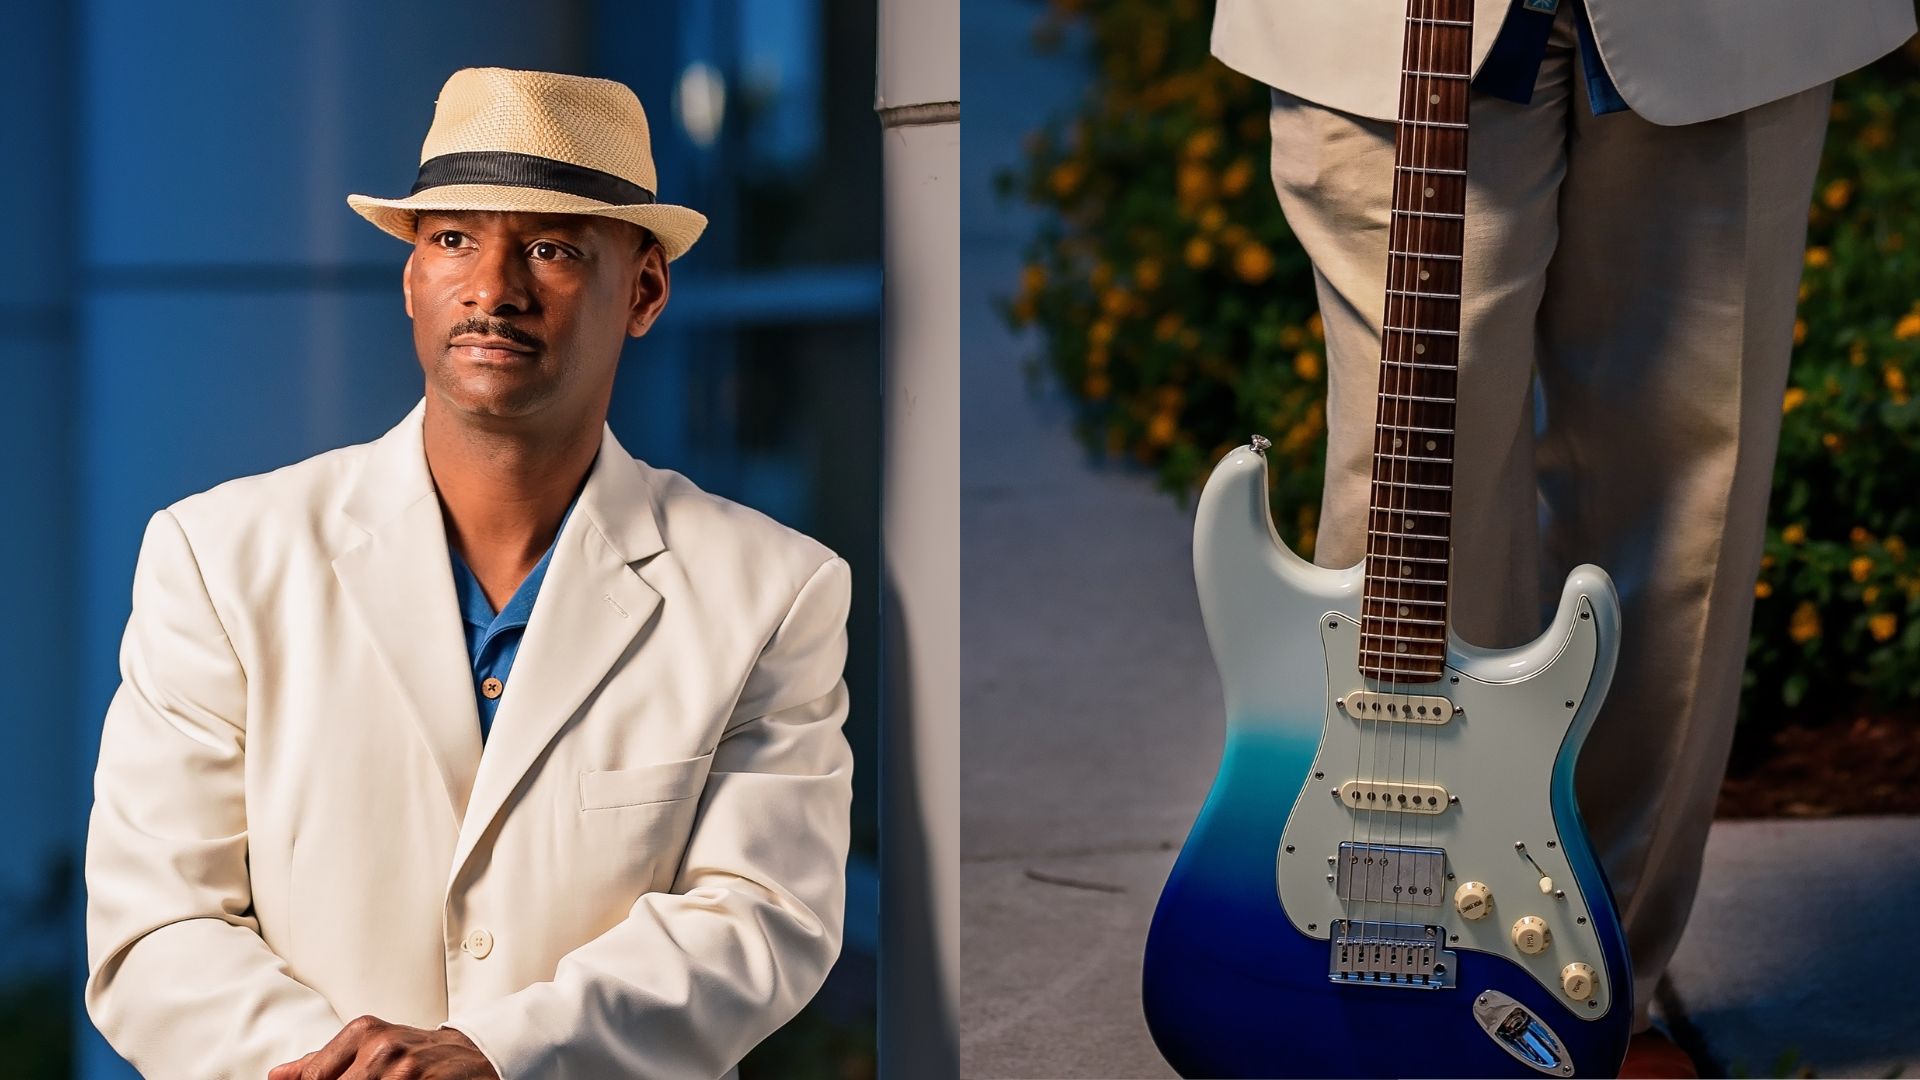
{"points": [[179, 979], [691, 979]]}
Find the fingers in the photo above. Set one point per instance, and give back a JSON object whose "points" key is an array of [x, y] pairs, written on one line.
{"points": [[332, 1061], [289, 1070]]}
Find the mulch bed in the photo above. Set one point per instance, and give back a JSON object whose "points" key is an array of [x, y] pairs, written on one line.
{"points": [[1850, 765]]}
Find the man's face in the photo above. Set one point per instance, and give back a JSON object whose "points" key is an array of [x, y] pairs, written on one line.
{"points": [[518, 313]]}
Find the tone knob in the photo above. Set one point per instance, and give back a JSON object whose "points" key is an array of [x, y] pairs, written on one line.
{"points": [[1576, 981], [1531, 936], [1473, 900]]}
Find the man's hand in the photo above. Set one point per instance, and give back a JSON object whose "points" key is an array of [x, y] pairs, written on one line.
{"points": [[369, 1048]]}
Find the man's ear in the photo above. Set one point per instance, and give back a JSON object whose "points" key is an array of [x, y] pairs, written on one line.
{"points": [[406, 283], [651, 284]]}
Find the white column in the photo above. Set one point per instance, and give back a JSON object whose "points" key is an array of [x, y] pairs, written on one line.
{"points": [[918, 99]]}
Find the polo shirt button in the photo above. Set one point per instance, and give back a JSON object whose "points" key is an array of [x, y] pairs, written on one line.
{"points": [[479, 943], [492, 687]]}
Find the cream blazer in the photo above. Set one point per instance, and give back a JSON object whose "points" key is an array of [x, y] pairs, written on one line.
{"points": [[1674, 61], [293, 823]]}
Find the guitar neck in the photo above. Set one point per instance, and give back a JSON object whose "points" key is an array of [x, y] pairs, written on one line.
{"points": [[1404, 624]]}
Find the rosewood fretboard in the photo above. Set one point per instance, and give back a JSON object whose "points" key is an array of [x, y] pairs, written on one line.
{"points": [[1404, 624]]}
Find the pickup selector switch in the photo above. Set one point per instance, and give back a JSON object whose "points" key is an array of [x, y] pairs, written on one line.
{"points": [[1473, 900], [1531, 936]]}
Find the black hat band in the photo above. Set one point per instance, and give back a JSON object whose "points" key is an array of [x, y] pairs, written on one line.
{"points": [[503, 167]]}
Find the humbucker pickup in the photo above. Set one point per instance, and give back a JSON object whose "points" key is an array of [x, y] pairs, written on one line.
{"points": [[1388, 954], [1391, 874], [1400, 798], [1403, 708]]}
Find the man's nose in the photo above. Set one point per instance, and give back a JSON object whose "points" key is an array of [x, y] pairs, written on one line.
{"points": [[497, 281]]}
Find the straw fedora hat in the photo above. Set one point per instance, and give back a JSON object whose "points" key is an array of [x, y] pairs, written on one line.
{"points": [[538, 142]]}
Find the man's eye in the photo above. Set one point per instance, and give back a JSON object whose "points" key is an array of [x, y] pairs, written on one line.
{"points": [[448, 238], [546, 249]]}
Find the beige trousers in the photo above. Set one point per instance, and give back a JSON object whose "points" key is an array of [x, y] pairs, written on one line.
{"points": [[1648, 277]]}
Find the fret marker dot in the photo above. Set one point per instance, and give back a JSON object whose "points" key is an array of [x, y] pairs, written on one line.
{"points": [[1396, 444], [1429, 193], [1419, 348], [1402, 646], [1404, 609], [1424, 275], [1433, 99], [1431, 445], [1409, 524], [1405, 570]]}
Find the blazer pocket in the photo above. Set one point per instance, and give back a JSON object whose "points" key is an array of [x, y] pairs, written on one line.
{"points": [[668, 781]]}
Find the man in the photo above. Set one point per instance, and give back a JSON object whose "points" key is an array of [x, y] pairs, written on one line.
{"points": [[301, 865], [1637, 189]]}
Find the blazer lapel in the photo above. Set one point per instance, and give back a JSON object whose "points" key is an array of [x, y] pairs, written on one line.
{"points": [[399, 582], [591, 608]]}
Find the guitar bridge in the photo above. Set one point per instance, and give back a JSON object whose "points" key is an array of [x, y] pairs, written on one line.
{"points": [[1389, 954]]}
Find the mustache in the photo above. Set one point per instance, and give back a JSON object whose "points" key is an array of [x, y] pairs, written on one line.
{"points": [[499, 328]]}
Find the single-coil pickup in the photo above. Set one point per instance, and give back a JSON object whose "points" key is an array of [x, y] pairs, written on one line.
{"points": [[1402, 708], [1400, 798]]}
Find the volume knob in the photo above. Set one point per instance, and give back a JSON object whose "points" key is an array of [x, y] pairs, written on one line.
{"points": [[1531, 936], [1576, 981], [1473, 900]]}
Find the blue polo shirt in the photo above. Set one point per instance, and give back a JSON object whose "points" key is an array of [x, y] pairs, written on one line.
{"points": [[1513, 63], [493, 638]]}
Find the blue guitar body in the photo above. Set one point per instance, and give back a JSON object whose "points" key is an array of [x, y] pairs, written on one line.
{"points": [[1242, 975]]}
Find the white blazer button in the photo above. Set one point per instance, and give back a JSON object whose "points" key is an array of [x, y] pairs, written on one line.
{"points": [[479, 943]]}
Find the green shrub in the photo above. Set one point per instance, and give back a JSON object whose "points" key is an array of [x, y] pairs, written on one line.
{"points": [[1172, 303]]}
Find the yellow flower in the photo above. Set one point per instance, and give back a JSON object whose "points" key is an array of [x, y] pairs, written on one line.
{"points": [[1066, 177], [1837, 194], [1896, 547], [1830, 440], [1895, 379], [1795, 533], [1315, 327], [1799, 331], [1236, 178], [1168, 326], [1861, 567], [1161, 429], [1805, 624], [1202, 143], [1806, 289], [1869, 594], [1199, 253], [1116, 302], [1212, 218], [1766, 562], [1819, 257], [1859, 534], [1795, 398], [1254, 263], [1908, 327], [1762, 590], [1194, 182], [1883, 625], [1146, 274], [1096, 386], [1101, 332], [1306, 364]]}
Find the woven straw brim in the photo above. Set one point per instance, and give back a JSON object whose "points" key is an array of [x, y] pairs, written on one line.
{"points": [[677, 227]]}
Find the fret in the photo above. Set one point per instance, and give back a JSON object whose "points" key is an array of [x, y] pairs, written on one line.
{"points": [[1407, 619], [1408, 535], [1439, 22], [1424, 255], [1407, 427], [1413, 457], [1432, 171], [1416, 487], [1434, 124], [1404, 558], [1416, 330], [1416, 292], [1413, 656], [1431, 214], [1418, 397], [1436, 75], [1408, 600], [1412, 364], [1438, 583]]}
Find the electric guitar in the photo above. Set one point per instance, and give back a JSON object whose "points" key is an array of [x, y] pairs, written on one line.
{"points": [[1390, 876]]}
